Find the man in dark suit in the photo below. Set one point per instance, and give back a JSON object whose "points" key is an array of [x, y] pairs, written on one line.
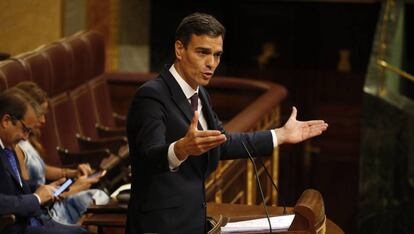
{"points": [[176, 139], [17, 118]]}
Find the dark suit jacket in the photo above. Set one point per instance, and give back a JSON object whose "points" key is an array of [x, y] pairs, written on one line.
{"points": [[173, 202], [14, 198]]}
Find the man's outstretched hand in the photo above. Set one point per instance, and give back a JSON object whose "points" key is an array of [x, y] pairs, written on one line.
{"points": [[295, 131], [197, 142]]}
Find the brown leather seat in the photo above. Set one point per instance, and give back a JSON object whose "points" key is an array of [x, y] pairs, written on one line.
{"points": [[85, 110], [50, 141], [109, 123], [63, 120], [12, 72], [96, 45], [38, 68], [3, 82], [102, 101], [80, 54], [61, 67]]}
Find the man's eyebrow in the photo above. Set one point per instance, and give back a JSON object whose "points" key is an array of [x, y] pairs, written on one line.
{"points": [[203, 48]]}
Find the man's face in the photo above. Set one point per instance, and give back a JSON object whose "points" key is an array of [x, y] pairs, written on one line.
{"points": [[17, 130], [197, 63]]}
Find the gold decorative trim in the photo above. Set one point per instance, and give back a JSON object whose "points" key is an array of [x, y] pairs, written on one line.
{"points": [[239, 196]]}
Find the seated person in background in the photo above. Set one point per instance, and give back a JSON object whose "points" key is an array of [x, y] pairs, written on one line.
{"points": [[29, 151], [17, 196]]}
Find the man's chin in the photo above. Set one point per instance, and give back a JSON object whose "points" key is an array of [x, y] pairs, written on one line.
{"points": [[204, 82]]}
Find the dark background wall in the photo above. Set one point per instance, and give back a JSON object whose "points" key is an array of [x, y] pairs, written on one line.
{"points": [[307, 37]]}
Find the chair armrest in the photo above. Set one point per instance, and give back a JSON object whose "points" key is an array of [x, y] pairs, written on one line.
{"points": [[120, 120], [93, 157], [104, 131], [112, 143], [110, 162], [5, 220], [112, 207]]}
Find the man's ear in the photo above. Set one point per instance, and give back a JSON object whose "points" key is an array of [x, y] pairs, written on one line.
{"points": [[4, 121], [179, 49]]}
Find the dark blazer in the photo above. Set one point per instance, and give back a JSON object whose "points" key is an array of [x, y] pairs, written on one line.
{"points": [[173, 202], [20, 201], [14, 198]]}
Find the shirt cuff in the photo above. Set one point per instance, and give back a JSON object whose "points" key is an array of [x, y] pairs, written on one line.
{"points": [[274, 138], [38, 198], [173, 161]]}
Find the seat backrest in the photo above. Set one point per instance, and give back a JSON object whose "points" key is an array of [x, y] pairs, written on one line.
{"points": [[13, 72], [50, 140], [66, 123], [38, 68], [96, 45], [81, 57], [102, 101], [3, 82], [85, 110], [61, 67]]}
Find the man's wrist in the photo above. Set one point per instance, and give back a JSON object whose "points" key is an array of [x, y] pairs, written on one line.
{"points": [[280, 134], [38, 198], [179, 153]]}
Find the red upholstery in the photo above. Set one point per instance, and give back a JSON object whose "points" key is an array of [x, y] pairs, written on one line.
{"points": [[102, 100], [96, 45], [50, 140], [85, 110], [12, 72], [3, 82], [39, 69], [61, 67], [81, 57], [65, 120]]}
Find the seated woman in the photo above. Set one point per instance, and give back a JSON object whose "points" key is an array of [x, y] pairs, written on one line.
{"points": [[74, 202]]}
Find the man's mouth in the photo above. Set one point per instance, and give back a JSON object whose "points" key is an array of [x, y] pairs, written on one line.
{"points": [[207, 75]]}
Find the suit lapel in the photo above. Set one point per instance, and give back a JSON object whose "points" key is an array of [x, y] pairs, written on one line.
{"points": [[177, 94], [6, 165], [212, 155], [178, 97]]}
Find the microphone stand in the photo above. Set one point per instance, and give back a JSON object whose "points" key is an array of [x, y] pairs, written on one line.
{"points": [[267, 172], [258, 182]]}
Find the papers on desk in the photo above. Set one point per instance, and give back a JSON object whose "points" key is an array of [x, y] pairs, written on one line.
{"points": [[279, 224]]}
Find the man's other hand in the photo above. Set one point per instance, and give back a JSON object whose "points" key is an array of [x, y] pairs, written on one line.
{"points": [[295, 131], [197, 142]]}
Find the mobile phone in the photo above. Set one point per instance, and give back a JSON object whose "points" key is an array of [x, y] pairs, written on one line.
{"points": [[99, 173], [63, 187]]}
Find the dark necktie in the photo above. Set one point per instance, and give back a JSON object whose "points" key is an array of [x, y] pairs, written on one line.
{"points": [[12, 159], [194, 102]]}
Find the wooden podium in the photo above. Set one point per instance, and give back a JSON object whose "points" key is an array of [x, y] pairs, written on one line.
{"points": [[309, 215], [309, 212]]}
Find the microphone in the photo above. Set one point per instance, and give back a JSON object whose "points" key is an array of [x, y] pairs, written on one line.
{"points": [[256, 152], [258, 182]]}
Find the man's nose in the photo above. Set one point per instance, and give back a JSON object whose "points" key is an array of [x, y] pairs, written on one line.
{"points": [[210, 61]]}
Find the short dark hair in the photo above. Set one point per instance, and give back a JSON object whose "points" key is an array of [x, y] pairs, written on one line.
{"points": [[13, 105], [198, 24], [26, 98]]}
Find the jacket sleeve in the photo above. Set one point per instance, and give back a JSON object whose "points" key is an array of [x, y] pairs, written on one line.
{"points": [[20, 205]]}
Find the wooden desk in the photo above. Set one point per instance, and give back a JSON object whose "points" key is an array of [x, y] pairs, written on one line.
{"points": [[115, 216], [241, 212]]}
